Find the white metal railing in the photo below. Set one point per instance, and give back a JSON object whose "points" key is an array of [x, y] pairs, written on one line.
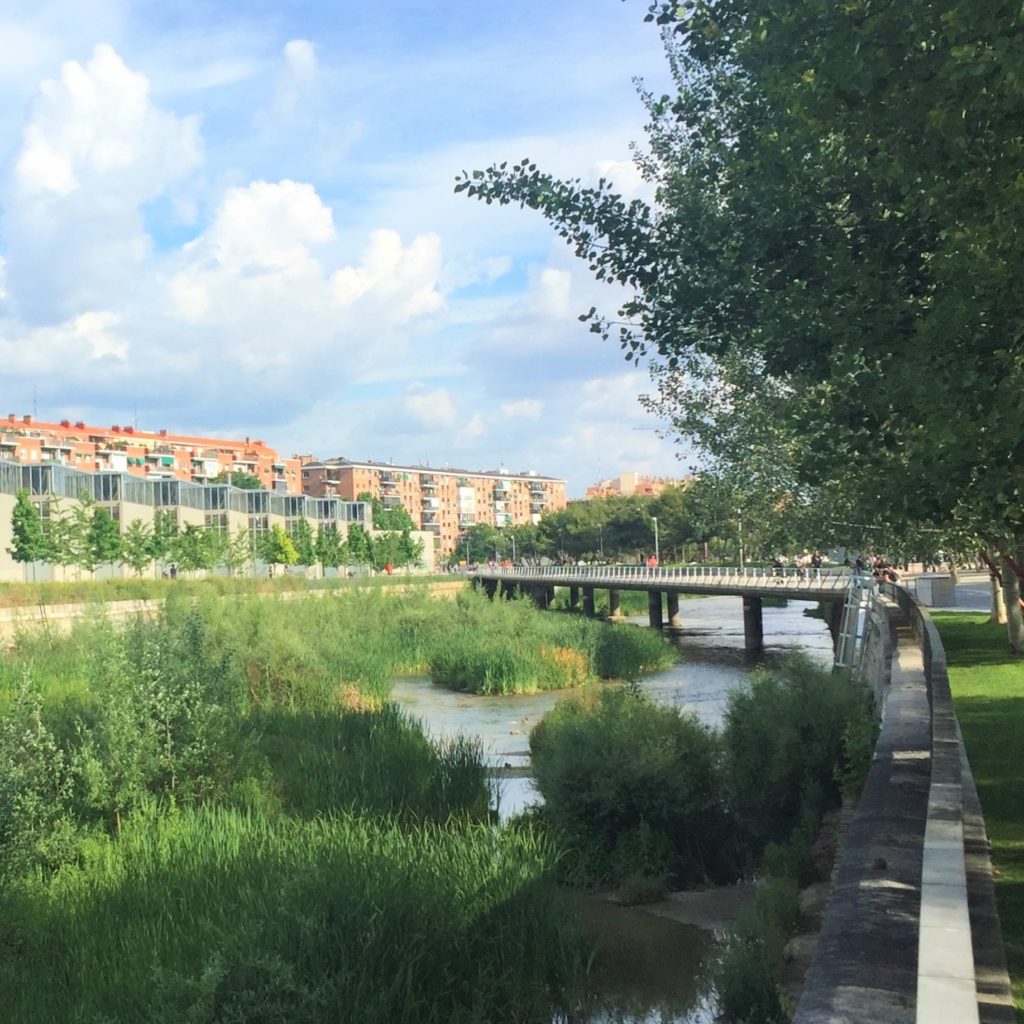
{"points": [[712, 576]]}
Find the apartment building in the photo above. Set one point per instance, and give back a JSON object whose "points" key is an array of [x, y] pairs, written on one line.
{"points": [[442, 501], [127, 496], [155, 455], [628, 484]]}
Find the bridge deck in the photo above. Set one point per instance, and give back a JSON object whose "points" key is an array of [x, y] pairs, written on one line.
{"points": [[800, 585]]}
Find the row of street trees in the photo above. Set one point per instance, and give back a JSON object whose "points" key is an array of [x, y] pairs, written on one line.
{"points": [[826, 283], [87, 537], [696, 521]]}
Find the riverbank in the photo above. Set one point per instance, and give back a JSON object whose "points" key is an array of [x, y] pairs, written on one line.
{"points": [[987, 684]]}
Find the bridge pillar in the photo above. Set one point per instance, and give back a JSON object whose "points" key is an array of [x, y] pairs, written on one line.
{"points": [[614, 605], [574, 597], [753, 624], [654, 609], [675, 621], [588, 602], [549, 597], [491, 587], [508, 589], [833, 618]]}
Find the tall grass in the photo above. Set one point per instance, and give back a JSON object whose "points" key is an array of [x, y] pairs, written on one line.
{"points": [[509, 647], [213, 916]]}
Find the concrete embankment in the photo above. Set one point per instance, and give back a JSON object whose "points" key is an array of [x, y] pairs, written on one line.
{"points": [[911, 934], [61, 617]]}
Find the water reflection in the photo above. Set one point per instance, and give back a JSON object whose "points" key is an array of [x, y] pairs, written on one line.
{"points": [[647, 969], [713, 664]]}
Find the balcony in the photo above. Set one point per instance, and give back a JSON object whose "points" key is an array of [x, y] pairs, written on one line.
{"points": [[536, 491], [429, 502], [390, 501], [428, 482], [467, 518]]}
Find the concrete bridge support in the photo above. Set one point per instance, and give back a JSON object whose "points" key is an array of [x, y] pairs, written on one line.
{"points": [[654, 609], [588, 602], [574, 597], [491, 588], [508, 590], [753, 624], [833, 611], [614, 605], [675, 620]]}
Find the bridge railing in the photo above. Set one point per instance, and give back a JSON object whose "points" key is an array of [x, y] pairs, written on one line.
{"points": [[824, 579]]}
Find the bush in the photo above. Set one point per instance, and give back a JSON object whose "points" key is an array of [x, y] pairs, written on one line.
{"points": [[789, 740], [748, 976], [636, 790]]}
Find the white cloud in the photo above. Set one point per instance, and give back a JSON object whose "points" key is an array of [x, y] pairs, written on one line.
{"points": [[525, 408], [95, 125], [94, 148], [431, 410]]}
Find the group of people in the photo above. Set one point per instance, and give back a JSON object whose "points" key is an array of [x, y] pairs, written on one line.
{"points": [[880, 570], [802, 563]]}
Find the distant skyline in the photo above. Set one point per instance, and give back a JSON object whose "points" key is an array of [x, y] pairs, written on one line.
{"points": [[238, 220]]}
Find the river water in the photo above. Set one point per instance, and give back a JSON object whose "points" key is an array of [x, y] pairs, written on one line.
{"points": [[647, 969]]}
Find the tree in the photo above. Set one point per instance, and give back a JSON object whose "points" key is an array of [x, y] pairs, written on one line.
{"points": [[197, 548], [305, 545], [394, 518], [276, 547], [76, 534], [28, 542], [137, 546], [330, 547], [236, 552], [239, 478], [829, 265], [103, 539], [165, 533], [360, 545], [410, 552]]}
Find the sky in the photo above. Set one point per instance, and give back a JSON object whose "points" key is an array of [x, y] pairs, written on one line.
{"points": [[238, 219]]}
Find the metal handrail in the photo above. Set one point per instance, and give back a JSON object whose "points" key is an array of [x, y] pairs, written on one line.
{"points": [[820, 579]]}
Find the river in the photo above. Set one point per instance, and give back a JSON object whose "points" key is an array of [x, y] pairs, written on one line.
{"points": [[647, 969]]}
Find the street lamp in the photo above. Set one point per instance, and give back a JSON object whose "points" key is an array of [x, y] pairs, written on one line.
{"points": [[657, 553], [741, 542]]}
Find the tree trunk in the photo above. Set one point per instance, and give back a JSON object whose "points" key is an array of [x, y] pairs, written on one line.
{"points": [[954, 575], [1014, 618], [998, 613]]}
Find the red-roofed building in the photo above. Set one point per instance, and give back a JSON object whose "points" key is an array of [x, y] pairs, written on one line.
{"points": [[145, 453]]}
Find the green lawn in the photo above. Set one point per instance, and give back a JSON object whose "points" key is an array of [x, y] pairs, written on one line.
{"points": [[988, 688]]}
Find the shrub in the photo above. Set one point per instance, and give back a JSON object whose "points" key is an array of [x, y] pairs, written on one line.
{"points": [[787, 746], [635, 788]]}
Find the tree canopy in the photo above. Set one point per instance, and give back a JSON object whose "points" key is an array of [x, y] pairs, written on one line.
{"points": [[828, 268]]}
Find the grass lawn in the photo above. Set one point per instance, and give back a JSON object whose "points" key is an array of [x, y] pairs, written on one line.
{"points": [[988, 688]]}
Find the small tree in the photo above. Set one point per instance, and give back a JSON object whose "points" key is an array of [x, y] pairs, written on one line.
{"points": [[196, 548], [330, 547], [29, 542], [305, 545], [137, 546], [277, 548], [236, 553], [410, 552], [360, 545], [77, 529], [239, 478], [103, 539], [165, 532]]}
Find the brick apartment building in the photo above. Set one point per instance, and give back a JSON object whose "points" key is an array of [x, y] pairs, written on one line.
{"points": [[156, 455], [629, 484], [441, 501]]}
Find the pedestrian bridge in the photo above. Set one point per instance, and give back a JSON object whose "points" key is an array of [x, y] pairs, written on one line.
{"points": [[664, 585]]}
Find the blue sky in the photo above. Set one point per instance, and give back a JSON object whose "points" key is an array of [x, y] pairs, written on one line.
{"points": [[239, 219]]}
